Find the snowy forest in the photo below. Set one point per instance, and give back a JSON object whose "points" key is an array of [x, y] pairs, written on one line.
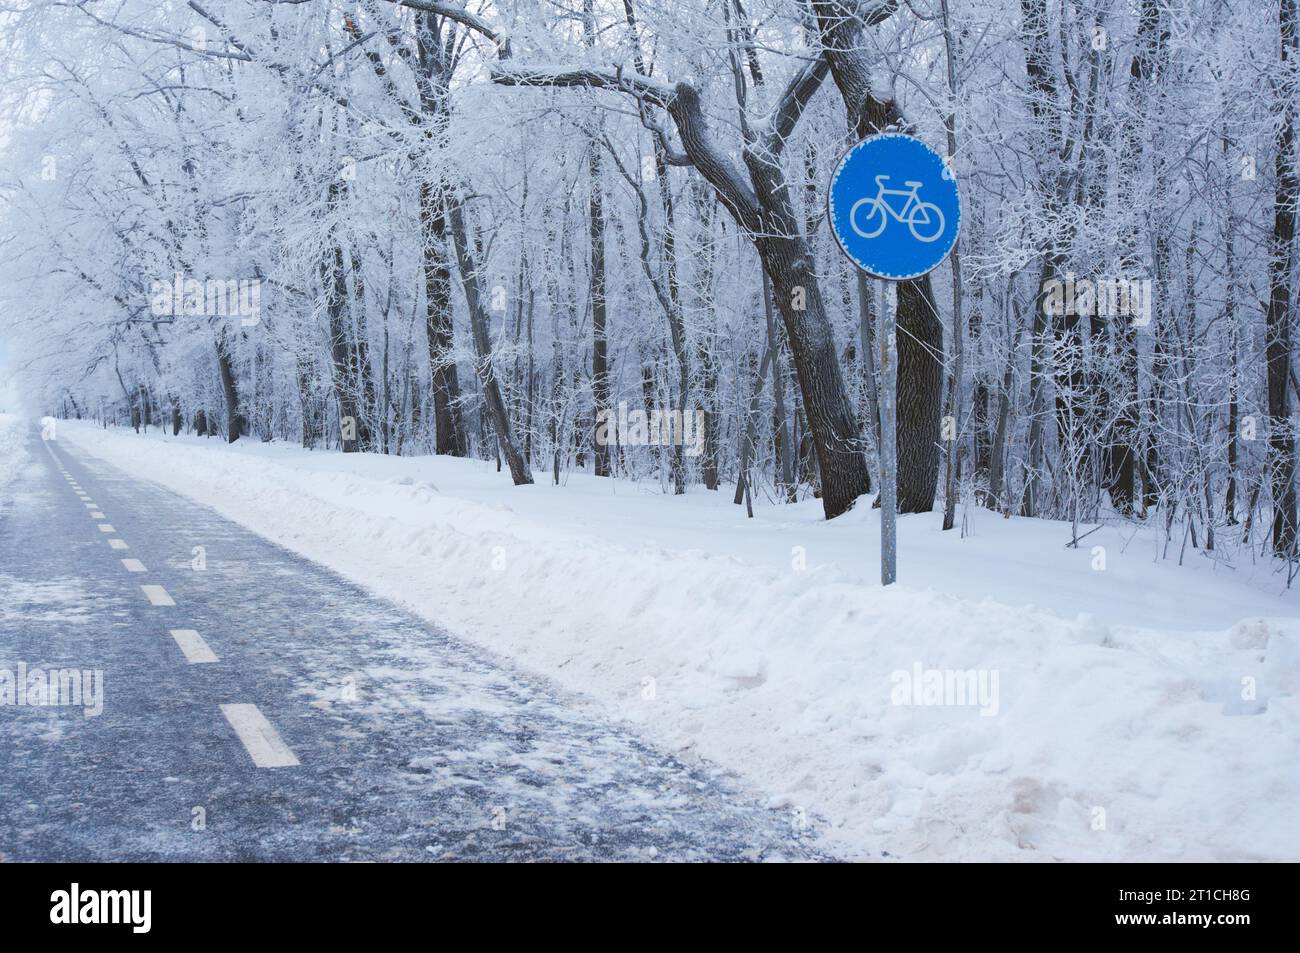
{"points": [[563, 234]]}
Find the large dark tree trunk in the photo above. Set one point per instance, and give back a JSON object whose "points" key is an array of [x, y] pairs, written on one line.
{"points": [[346, 354], [981, 402], [496, 406], [596, 226], [706, 359], [434, 76], [334, 285], [782, 449], [920, 333], [1155, 481], [1031, 501], [599, 355], [1119, 459], [226, 370], [362, 372], [306, 400], [449, 436], [844, 476], [1234, 347], [920, 395], [1277, 335], [676, 324]]}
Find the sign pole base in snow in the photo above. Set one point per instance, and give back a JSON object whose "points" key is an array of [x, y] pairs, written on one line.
{"points": [[888, 433], [895, 210]]}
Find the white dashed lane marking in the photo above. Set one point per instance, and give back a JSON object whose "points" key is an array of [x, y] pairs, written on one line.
{"points": [[260, 739], [258, 736], [158, 596], [192, 644]]}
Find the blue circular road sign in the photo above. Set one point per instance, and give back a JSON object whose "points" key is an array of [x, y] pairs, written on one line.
{"points": [[894, 206]]}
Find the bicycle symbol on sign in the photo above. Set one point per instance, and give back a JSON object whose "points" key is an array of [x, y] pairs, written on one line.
{"points": [[924, 219]]}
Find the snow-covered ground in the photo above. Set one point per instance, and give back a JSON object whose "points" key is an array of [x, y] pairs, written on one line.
{"points": [[13, 452], [1140, 711]]}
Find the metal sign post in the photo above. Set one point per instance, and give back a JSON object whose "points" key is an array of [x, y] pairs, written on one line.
{"points": [[895, 211], [888, 433]]}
